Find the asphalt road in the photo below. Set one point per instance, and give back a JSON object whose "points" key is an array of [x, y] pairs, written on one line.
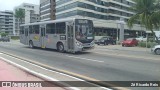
{"points": [[101, 66]]}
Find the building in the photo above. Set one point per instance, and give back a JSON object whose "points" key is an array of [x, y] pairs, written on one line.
{"points": [[109, 16], [6, 22], [31, 15], [47, 10], [104, 13]]}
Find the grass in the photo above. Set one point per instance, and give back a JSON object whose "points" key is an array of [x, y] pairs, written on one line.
{"points": [[15, 37]]}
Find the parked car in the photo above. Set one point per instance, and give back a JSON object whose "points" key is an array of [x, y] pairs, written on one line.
{"points": [[106, 41], [5, 39], [96, 39], [141, 38], [1, 39], [130, 42], [156, 49]]}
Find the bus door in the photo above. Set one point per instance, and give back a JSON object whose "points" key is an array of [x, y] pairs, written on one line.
{"points": [[42, 38], [70, 36], [26, 36]]}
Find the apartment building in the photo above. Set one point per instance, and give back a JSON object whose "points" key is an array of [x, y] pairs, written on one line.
{"points": [[47, 10], [6, 22], [104, 13], [31, 15]]}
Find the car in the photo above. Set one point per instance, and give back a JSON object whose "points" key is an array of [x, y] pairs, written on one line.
{"points": [[5, 39], [0, 39], [130, 42], [96, 38], [141, 38], [156, 49], [106, 41]]}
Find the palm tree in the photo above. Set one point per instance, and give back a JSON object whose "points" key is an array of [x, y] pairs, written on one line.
{"points": [[147, 13], [20, 15]]}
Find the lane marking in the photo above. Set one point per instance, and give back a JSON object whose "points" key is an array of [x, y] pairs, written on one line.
{"points": [[102, 49], [1, 53], [59, 73], [128, 56], [34, 73], [85, 59]]}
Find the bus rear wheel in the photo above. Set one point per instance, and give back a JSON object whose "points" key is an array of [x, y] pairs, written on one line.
{"points": [[60, 47], [31, 44]]}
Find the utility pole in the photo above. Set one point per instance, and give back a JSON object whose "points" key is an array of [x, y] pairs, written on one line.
{"points": [[121, 34]]}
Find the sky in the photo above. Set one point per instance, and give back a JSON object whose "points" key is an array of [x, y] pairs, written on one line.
{"points": [[10, 4]]}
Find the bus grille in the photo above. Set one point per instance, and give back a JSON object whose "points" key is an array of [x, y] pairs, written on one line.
{"points": [[86, 45]]}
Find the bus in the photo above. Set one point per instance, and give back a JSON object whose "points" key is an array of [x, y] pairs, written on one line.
{"points": [[70, 35]]}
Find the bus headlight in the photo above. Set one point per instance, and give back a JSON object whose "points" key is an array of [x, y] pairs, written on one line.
{"points": [[79, 44], [92, 43]]}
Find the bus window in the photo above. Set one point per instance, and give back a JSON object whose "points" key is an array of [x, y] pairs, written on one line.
{"points": [[50, 28], [30, 29], [22, 30], [61, 28], [35, 29]]}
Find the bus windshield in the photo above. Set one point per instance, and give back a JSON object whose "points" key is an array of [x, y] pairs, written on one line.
{"points": [[84, 32]]}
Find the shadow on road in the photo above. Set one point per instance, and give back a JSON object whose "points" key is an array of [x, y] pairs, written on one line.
{"points": [[54, 50]]}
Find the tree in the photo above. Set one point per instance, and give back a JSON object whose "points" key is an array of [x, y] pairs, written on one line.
{"points": [[0, 25], [4, 34], [147, 13], [20, 15]]}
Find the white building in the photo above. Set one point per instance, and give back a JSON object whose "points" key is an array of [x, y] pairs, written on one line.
{"points": [[6, 22], [31, 15]]}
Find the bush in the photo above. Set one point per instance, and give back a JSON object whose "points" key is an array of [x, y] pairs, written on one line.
{"points": [[15, 37], [149, 44], [3, 34], [142, 44]]}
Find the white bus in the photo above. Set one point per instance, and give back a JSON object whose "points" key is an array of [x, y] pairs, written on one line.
{"points": [[70, 35]]}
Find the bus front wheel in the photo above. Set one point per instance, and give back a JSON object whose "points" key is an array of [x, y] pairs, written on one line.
{"points": [[60, 47], [31, 44]]}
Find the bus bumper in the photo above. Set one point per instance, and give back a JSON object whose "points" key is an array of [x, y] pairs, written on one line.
{"points": [[87, 48]]}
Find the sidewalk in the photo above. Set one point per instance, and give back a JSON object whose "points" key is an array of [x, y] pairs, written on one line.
{"points": [[119, 47], [11, 73]]}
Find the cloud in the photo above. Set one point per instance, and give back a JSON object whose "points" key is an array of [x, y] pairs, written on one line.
{"points": [[10, 4]]}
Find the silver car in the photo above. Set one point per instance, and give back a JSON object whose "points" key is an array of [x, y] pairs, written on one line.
{"points": [[156, 49]]}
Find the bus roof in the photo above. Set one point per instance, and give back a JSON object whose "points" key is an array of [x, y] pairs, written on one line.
{"points": [[51, 21]]}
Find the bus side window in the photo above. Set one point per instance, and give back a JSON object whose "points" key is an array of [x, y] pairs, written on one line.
{"points": [[36, 29], [30, 29], [61, 28], [50, 28]]}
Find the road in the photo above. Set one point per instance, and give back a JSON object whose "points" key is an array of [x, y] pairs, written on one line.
{"points": [[100, 64]]}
